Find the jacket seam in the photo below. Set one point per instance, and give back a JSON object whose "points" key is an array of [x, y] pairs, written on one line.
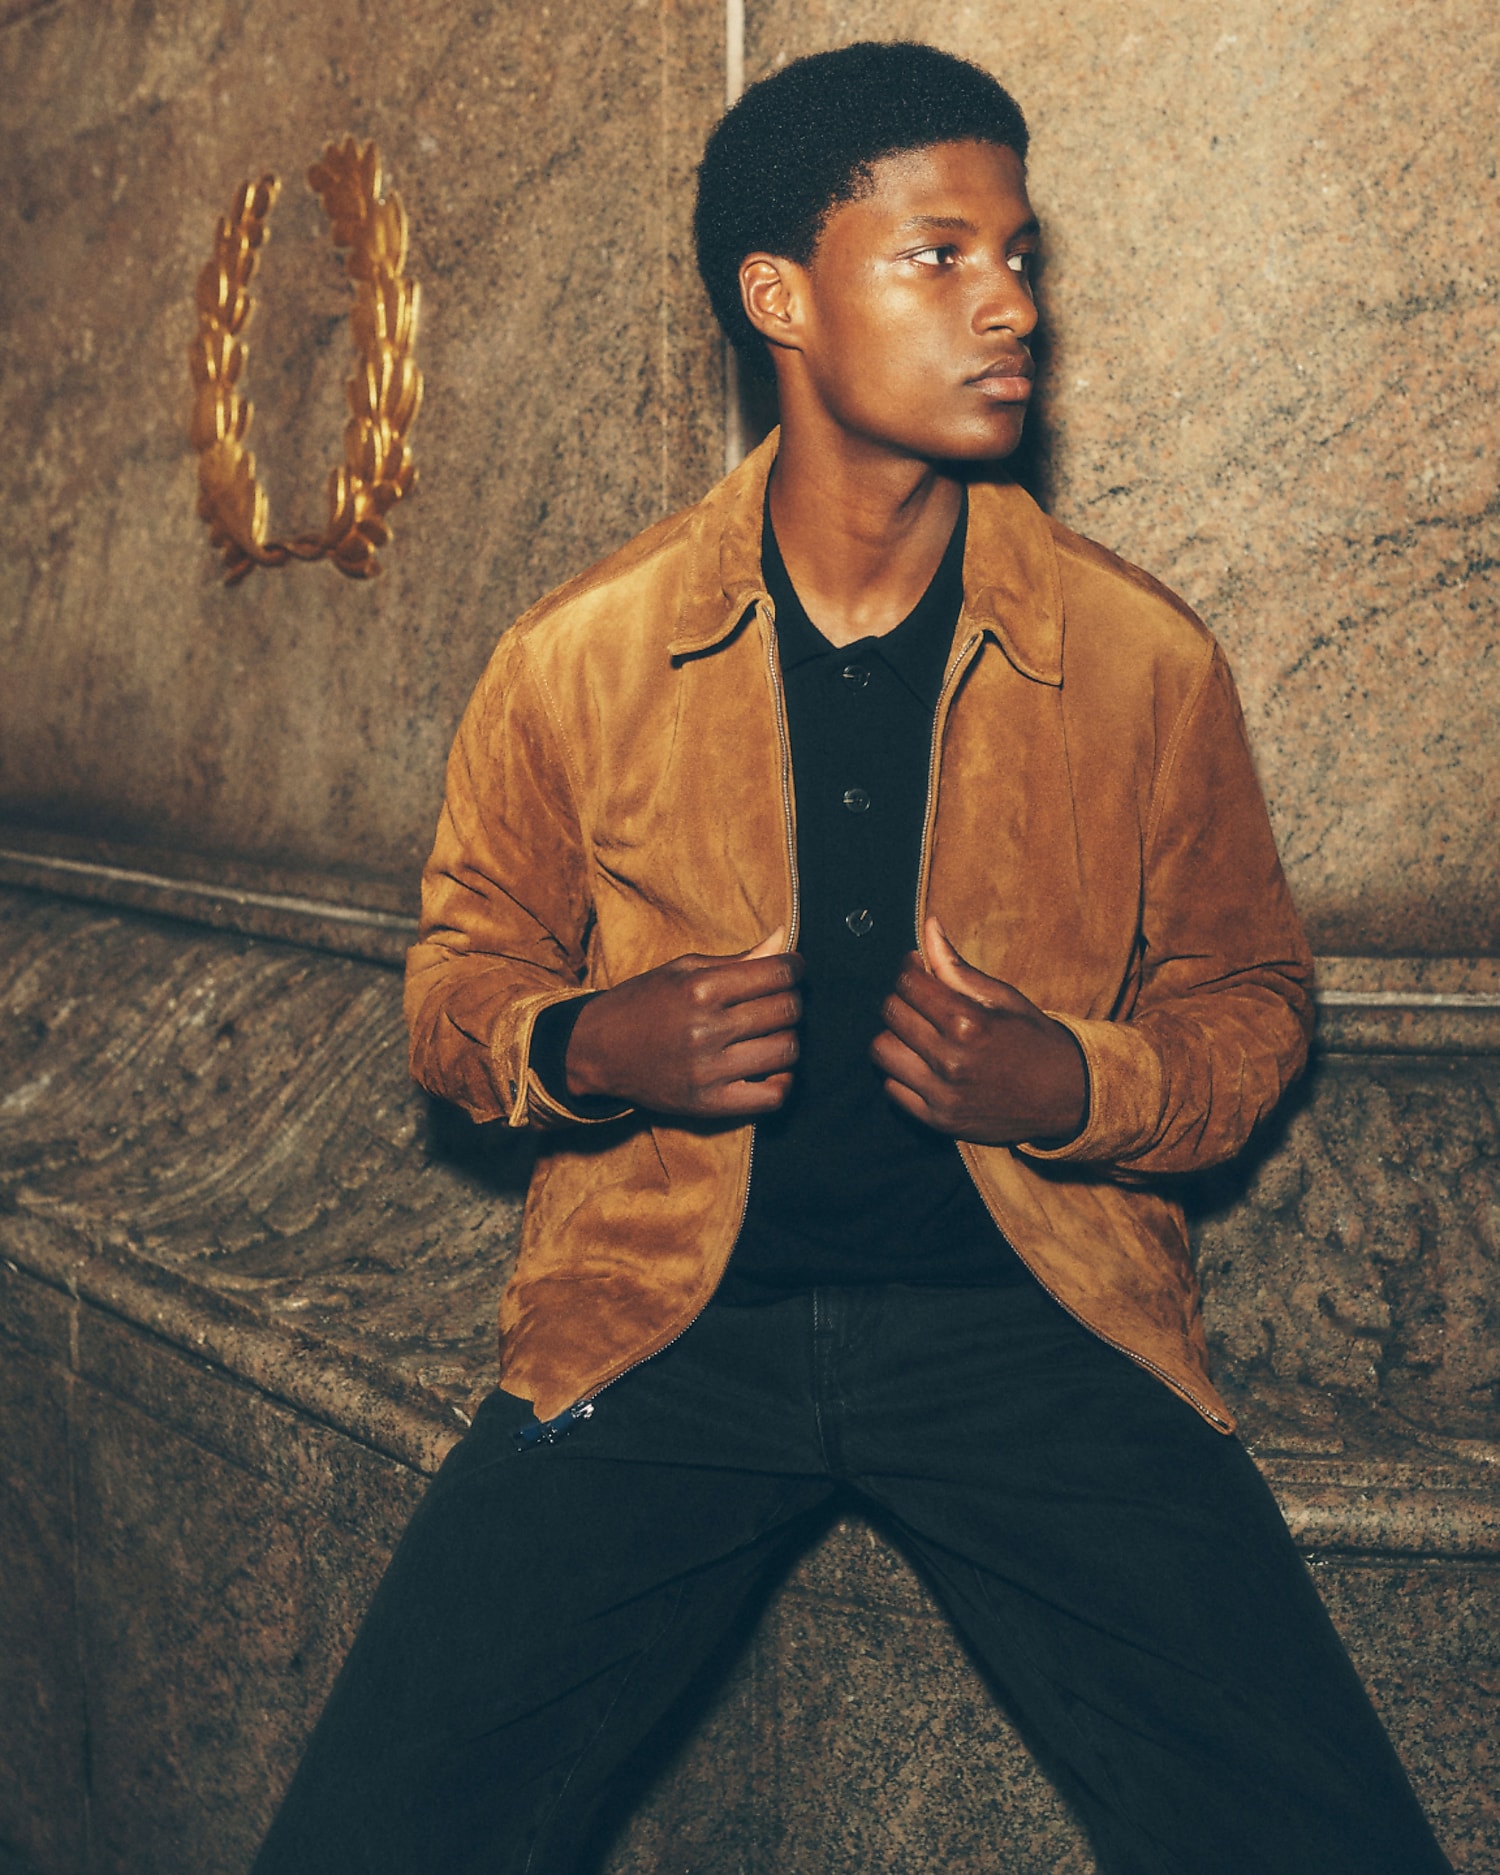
{"points": [[587, 845], [542, 1107], [523, 1101], [1175, 741], [570, 767]]}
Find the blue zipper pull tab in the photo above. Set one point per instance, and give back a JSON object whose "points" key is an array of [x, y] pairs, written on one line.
{"points": [[549, 1431]]}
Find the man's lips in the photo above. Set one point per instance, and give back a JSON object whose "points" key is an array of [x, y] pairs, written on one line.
{"points": [[1008, 380]]}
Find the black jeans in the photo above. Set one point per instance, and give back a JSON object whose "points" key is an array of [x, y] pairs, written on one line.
{"points": [[1118, 1567]]}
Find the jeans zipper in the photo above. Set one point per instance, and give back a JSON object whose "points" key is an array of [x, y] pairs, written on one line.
{"points": [[939, 723]]}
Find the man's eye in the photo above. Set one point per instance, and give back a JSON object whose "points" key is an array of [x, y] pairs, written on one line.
{"points": [[1019, 263], [933, 256]]}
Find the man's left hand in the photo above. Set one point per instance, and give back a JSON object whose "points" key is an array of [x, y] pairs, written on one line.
{"points": [[971, 1056]]}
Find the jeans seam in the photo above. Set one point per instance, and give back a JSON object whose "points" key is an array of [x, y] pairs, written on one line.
{"points": [[821, 1334], [587, 1746], [1124, 1811]]}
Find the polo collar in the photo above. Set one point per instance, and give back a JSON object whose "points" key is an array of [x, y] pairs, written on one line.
{"points": [[1012, 586], [915, 651]]}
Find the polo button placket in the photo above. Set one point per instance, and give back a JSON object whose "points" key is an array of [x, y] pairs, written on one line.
{"points": [[855, 676], [857, 800], [860, 922]]}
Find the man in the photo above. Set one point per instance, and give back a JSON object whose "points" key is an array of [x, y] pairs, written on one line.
{"points": [[819, 1213]]}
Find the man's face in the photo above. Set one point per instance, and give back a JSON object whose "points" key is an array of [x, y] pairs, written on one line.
{"points": [[917, 305]]}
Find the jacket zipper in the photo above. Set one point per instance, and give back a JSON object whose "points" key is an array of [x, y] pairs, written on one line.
{"points": [[939, 723], [784, 739], [547, 1431]]}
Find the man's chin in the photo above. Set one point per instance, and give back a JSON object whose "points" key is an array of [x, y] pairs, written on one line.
{"points": [[972, 463]]}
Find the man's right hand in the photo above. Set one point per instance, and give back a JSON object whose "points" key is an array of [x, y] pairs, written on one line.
{"points": [[705, 1037]]}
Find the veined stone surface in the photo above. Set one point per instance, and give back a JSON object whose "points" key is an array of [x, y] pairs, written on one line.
{"points": [[220, 1118], [235, 1116], [1359, 1257]]}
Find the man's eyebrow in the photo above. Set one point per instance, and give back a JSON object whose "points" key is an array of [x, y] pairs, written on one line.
{"points": [[960, 224]]}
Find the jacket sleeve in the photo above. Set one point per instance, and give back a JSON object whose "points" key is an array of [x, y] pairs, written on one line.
{"points": [[505, 904], [1221, 1015]]}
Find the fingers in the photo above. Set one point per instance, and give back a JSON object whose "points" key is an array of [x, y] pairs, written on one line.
{"points": [[950, 970], [948, 1011], [754, 1060], [921, 1087], [768, 946], [744, 1100], [900, 1063], [915, 1028], [734, 983], [766, 1015], [943, 961], [722, 982], [766, 951], [902, 1096]]}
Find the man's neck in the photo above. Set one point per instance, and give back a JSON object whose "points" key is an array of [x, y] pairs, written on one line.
{"points": [[861, 533]]}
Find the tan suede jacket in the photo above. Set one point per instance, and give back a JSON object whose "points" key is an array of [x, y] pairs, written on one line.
{"points": [[620, 793]]}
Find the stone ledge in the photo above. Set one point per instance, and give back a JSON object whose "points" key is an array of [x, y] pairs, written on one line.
{"points": [[213, 1138], [224, 1544], [337, 1387], [1407, 1500], [1366, 1005]]}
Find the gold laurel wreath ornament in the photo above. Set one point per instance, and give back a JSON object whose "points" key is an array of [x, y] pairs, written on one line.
{"points": [[385, 392]]}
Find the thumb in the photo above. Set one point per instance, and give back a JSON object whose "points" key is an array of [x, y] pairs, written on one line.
{"points": [[951, 970], [768, 946]]}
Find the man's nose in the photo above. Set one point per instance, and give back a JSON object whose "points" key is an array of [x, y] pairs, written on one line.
{"points": [[1005, 303]]}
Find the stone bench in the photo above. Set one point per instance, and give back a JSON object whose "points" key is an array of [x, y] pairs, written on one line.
{"points": [[249, 1286]]}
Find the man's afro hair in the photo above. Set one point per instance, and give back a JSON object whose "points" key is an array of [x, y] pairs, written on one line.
{"points": [[802, 142]]}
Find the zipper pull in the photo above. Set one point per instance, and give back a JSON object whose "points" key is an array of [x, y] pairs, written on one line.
{"points": [[549, 1431]]}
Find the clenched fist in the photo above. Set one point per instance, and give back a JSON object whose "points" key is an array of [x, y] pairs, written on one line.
{"points": [[704, 1037], [972, 1057]]}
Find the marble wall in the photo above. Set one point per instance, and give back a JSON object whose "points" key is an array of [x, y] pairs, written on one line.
{"points": [[287, 736], [1272, 313]]}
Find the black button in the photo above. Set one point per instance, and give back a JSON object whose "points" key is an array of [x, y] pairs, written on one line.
{"points": [[855, 676], [860, 922], [857, 800]]}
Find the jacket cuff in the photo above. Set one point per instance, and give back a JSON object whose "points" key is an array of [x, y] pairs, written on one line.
{"points": [[1123, 1075], [537, 1079], [550, 1035]]}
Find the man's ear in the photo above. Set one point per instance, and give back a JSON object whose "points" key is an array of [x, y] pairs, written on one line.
{"points": [[771, 291]]}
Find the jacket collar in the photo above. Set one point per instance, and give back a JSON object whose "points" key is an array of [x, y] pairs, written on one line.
{"points": [[1012, 588]]}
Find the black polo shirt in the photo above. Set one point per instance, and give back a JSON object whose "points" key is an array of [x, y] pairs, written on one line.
{"points": [[845, 1187]]}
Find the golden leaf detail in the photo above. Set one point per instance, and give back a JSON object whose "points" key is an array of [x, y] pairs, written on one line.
{"points": [[384, 393]]}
